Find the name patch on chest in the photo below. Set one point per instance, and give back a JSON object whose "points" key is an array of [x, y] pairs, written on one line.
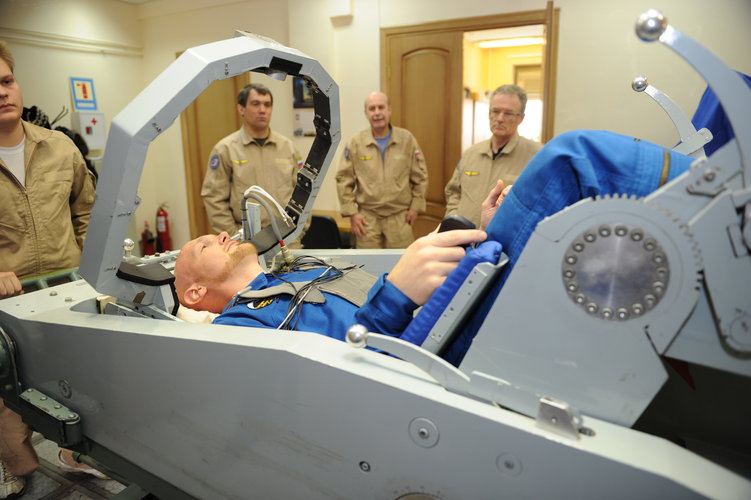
{"points": [[261, 303]]}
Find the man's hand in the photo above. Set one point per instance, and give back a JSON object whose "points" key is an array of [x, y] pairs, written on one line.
{"points": [[358, 223], [9, 284], [411, 217], [426, 262], [492, 202]]}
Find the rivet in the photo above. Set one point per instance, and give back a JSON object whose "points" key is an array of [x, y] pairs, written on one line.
{"points": [[637, 309], [580, 298], [604, 231], [621, 231], [571, 259], [622, 313], [592, 308], [578, 246], [589, 237], [650, 300], [569, 273], [607, 313], [658, 258], [637, 235], [572, 286], [649, 245]]}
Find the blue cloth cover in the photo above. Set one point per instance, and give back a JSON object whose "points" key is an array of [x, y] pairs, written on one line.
{"points": [[419, 328]]}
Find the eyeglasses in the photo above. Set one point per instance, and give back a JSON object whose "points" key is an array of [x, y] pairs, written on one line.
{"points": [[495, 113]]}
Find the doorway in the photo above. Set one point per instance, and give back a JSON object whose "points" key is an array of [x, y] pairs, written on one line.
{"points": [[422, 72]]}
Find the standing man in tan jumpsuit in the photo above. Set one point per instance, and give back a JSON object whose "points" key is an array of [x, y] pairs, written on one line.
{"points": [[503, 156], [46, 195], [382, 180], [254, 155]]}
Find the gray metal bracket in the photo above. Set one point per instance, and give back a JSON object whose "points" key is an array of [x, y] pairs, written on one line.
{"points": [[692, 141], [48, 416], [462, 303]]}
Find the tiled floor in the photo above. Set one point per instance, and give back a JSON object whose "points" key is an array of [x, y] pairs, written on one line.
{"points": [[50, 483]]}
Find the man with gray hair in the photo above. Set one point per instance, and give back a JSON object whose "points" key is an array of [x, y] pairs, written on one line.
{"points": [[502, 157]]}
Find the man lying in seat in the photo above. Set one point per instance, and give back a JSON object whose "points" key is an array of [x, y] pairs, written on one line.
{"points": [[215, 273], [212, 269]]}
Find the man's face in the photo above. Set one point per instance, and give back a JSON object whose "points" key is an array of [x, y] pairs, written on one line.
{"points": [[11, 98], [213, 258], [505, 116], [378, 111], [257, 111]]}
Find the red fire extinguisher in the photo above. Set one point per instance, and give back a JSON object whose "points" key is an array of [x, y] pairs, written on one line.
{"points": [[147, 240], [163, 238]]}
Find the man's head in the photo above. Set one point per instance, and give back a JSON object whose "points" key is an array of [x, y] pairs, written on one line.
{"points": [[507, 105], [255, 103], [211, 269], [378, 113], [11, 97]]}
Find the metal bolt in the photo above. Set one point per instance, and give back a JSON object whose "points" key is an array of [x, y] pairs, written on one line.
{"points": [[637, 235], [709, 176], [569, 273], [650, 300], [592, 308], [658, 287], [580, 298], [578, 246], [589, 237], [661, 272], [658, 258], [53, 293], [423, 433], [637, 309], [607, 313], [622, 313], [650, 245], [571, 259], [364, 466], [604, 231], [572, 286], [621, 231]]}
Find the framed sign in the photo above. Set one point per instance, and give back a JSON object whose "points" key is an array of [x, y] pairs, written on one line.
{"points": [[82, 91]]}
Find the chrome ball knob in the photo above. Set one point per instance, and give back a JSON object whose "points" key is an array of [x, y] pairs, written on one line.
{"points": [[651, 25], [357, 336], [129, 244], [639, 83]]}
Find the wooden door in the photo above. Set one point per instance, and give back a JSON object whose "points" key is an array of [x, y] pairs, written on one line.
{"points": [[424, 84], [212, 116], [421, 71]]}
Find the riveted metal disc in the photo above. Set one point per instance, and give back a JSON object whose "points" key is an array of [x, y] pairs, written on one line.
{"points": [[615, 271]]}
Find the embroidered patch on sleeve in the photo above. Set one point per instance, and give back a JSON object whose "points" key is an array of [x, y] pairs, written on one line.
{"points": [[418, 154], [261, 303], [214, 162]]}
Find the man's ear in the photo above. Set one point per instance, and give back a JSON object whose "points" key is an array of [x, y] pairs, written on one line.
{"points": [[194, 295]]}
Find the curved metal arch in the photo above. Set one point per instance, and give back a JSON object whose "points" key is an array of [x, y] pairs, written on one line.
{"points": [[156, 108]]}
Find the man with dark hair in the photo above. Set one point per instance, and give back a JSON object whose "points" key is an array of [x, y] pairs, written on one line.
{"points": [[502, 157], [254, 155], [47, 194]]}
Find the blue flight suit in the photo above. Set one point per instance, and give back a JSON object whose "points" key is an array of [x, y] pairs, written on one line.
{"points": [[386, 311], [573, 166]]}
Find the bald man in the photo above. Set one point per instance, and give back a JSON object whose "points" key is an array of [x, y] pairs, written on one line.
{"points": [[217, 274], [382, 180]]}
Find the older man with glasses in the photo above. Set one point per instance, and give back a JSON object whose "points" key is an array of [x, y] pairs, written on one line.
{"points": [[502, 157]]}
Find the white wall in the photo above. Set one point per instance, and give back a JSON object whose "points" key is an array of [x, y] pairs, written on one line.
{"points": [[598, 55]]}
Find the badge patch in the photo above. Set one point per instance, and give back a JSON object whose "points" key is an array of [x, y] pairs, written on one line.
{"points": [[214, 162], [299, 163], [418, 154], [260, 303]]}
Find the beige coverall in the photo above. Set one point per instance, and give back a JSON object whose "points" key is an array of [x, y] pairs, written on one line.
{"points": [[42, 229], [477, 172], [383, 190], [238, 162]]}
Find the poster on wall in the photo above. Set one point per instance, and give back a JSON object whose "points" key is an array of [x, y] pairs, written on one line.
{"points": [[82, 94]]}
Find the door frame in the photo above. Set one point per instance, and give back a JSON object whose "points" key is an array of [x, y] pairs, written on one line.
{"points": [[549, 18]]}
